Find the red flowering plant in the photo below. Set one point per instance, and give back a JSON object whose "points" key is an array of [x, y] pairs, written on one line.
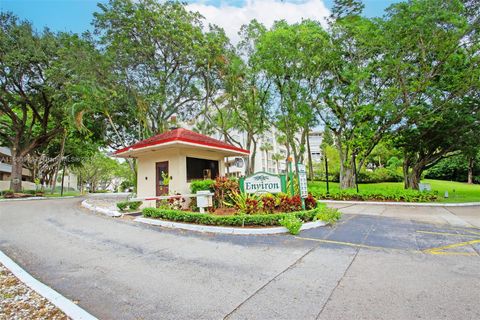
{"points": [[310, 202], [245, 203], [252, 206], [224, 188], [289, 204], [176, 203], [268, 203]]}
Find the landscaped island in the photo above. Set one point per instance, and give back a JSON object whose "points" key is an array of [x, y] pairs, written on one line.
{"points": [[233, 208]]}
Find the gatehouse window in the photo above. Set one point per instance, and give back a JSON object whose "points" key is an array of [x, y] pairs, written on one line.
{"points": [[201, 169]]}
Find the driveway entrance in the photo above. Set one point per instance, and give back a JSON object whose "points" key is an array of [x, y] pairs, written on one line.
{"points": [[365, 267]]}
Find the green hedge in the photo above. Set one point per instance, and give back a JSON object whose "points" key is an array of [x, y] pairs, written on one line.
{"points": [[383, 195], [235, 220]]}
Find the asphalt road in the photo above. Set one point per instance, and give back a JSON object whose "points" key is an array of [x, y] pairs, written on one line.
{"points": [[366, 267]]}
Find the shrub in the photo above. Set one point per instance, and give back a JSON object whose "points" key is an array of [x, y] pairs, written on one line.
{"points": [[245, 203], [122, 206], [292, 223], [289, 204], [132, 205], [380, 175], [310, 202], [200, 185], [381, 195], [329, 215], [236, 220], [224, 189], [268, 203], [176, 203]]}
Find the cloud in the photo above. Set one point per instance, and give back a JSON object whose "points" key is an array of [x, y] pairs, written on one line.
{"points": [[231, 17]]}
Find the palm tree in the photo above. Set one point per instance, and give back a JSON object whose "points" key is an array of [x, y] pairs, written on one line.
{"points": [[277, 157], [266, 147]]}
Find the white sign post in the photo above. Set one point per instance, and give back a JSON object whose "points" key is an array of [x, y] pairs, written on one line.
{"points": [[302, 182]]}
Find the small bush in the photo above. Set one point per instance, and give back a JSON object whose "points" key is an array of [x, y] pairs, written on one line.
{"points": [[310, 202], [289, 204], [7, 192], [268, 203], [201, 185], [292, 223], [132, 205], [224, 189], [176, 203], [329, 215], [122, 206], [245, 203]]}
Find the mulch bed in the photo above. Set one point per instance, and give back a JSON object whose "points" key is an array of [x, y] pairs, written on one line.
{"points": [[224, 211], [17, 301]]}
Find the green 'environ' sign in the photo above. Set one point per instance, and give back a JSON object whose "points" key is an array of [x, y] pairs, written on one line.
{"points": [[263, 182]]}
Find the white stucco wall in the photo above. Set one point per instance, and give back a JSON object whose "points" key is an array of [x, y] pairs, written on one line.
{"points": [[177, 169]]}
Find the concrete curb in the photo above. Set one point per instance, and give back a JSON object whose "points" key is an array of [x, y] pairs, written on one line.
{"points": [[409, 204], [225, 230], [37, 198], [67, 306], [110, 213]]}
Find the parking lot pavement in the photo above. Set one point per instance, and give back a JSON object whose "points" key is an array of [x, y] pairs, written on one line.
{"points": [[454, 216], [365, 267], [370, 232]]}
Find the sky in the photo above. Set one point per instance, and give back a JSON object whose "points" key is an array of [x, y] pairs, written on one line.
{"points": [[76, 15]]}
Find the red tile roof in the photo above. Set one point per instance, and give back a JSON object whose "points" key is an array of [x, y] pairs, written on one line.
{"points": [[182, 135]]}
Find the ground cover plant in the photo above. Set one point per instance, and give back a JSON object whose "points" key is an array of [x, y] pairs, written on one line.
{"points": [[129, 205], [391, 191], [292, 223]]}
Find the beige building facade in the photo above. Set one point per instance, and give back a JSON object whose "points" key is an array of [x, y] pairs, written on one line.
{"points": [[169, 162]]}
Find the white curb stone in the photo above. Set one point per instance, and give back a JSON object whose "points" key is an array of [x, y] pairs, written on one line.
{"points": [[67, 306], [108, 212], [225, 230]]}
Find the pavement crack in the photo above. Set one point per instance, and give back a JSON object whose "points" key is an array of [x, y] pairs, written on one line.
{"points": [[337, 285], [345, 273], [291, 266]]}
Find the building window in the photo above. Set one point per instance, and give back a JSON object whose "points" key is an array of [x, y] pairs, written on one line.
{"points": [[201, 169]]}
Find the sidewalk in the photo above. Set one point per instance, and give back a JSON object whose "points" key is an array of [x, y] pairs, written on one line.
{"points": [[454, 216]]}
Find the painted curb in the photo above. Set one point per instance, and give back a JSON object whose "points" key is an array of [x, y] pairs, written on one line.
{"points": [[225, 230], [110, 213], [37, 198], [67, 306], [408, 204]]}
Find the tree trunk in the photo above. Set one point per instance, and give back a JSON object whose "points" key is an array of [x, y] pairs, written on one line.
{"points": [[310, 163], [470, 170], [347, 178], [57, 166], [252, 159], [412, 179], [405, 173], [347, 172], [17, 167]]}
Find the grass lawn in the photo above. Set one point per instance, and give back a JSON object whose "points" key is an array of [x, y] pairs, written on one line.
{"points": [[457, 191], [65, 194]]}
